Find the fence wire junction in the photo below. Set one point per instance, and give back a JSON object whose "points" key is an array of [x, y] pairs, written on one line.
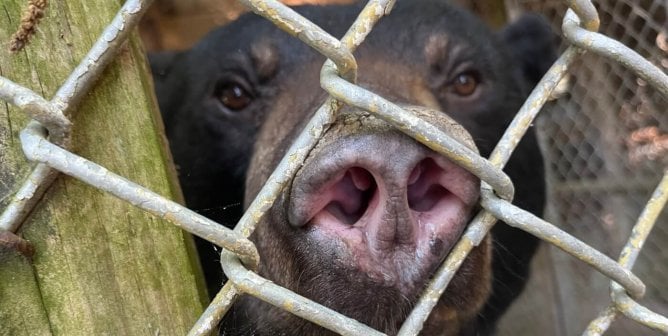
{"points": [[46, 141]]}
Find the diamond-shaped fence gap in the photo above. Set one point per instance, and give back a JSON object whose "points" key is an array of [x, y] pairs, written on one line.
{"points": [[618, 9], [565, 137], [658, 12], [552, 137], [596, 211], [615, 26], [628, 24], [654, 13], [647, 34], [578, 125]]}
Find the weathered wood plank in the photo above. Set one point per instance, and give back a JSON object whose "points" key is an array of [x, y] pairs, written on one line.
{"points": [[101, 266]]}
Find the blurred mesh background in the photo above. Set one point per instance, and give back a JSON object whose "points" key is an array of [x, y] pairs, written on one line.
{"points": [[606, 146]]}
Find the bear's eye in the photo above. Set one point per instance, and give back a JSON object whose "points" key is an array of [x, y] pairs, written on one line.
{"points": [[233, 96], [465, 84]]}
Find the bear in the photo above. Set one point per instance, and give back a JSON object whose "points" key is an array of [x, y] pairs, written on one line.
{"points": [[372, 212]]}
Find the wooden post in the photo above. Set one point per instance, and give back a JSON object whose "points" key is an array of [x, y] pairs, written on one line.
{"points": [[100, 266]]}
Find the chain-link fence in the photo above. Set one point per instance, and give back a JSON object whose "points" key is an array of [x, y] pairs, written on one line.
{"points": [[338, 75], [606, 145]]}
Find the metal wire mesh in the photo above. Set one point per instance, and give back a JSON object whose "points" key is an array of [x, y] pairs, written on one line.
{"points": [[338, 77], [605, 144]]}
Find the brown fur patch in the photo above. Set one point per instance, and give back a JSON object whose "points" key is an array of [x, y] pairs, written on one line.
{"points": [[436, 48], [265, 58]]}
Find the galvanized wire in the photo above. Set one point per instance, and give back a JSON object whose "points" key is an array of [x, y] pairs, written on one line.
{"points": [[587, 12], [253, 284], [25, 198], [616, 51], [621, 302], [107, 46], [528, 222], [38, 149], [359, 97], [53, 114], [407, 122], [37, 108], [290, 21], [338, 78], [214, 313]]}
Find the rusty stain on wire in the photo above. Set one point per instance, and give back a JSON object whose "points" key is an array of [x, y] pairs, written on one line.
{"points": [[585, 10]]}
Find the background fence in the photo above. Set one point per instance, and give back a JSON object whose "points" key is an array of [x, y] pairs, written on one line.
{"points": [[606, 146], [601, 166]]}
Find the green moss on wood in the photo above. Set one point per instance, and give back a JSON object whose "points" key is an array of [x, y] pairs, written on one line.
{"points": [[101, 266]]}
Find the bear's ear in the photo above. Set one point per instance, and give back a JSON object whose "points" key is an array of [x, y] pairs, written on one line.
{"points": [[531, 42]]}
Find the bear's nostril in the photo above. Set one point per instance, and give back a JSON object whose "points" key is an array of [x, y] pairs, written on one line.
{"points": [[361, 178], [424, 189], [415, 174], [429, 199], [351, 195]]}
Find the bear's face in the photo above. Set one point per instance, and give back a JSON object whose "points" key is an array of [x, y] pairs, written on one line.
{"points": [[372, 212]]}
